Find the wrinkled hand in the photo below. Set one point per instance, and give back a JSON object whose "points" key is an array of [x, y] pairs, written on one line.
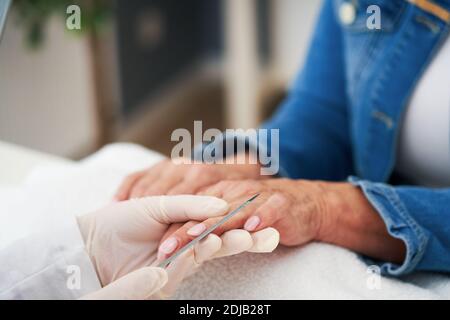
{"points": [[166, 177], [296, 208], [122, 239]]}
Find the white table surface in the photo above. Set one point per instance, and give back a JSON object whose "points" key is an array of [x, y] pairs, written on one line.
{"points": [[16, 162]]}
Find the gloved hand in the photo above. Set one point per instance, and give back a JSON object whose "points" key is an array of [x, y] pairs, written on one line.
{"points": [[140, 284], [122, 241]]}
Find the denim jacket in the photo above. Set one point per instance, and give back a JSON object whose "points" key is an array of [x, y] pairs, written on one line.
{"points": [[342, 116]]}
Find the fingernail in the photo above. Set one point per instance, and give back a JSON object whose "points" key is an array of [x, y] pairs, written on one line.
{"points": [[252, 223], [169, 245], [197, 229]]}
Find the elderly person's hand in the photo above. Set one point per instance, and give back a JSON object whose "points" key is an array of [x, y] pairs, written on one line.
{"points": [[166, 177], [122, 241], [302, 211]]}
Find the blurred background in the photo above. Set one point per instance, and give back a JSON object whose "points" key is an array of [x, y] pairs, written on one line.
{"points": [[139, 69]]}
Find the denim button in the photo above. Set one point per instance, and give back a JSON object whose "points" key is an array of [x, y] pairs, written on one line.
{"points": [[347, 13]]}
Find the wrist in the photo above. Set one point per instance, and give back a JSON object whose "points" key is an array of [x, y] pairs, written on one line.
{"points": [[332, 205], [344, 210], [314, 207], [353, 223]]}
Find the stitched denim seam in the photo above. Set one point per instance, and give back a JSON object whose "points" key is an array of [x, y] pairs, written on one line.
{"points": [[398, 52], [370, 48], [392, 196], [371, 190], [384, 214], [378, 86], [398, 205], [430, 13], [427, 22]]}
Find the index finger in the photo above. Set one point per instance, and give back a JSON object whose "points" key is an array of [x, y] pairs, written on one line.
{"points": [[123, 192], [181, 208], [189, 231]]}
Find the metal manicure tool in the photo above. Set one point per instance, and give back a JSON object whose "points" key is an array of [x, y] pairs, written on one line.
{"points": [[166, 262]]}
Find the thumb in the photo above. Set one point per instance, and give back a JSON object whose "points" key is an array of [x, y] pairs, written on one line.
{"points": [[181, 208], [137, 285]]}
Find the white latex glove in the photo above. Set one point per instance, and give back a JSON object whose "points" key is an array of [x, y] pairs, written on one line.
{"points": [[122, 241], [141, 284]]}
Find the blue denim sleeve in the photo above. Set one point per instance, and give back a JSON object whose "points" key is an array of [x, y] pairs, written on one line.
{"points": [[314, 130], [418, 216], [314, 136]]}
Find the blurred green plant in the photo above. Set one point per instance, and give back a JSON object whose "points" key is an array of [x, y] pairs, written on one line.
{"points": [[33, 16]]}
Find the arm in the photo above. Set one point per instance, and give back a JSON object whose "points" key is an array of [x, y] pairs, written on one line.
{"points": [[314, 130], [313, 120], [50, 265], [115, 247], [419, 217], [313, 123], [402, 229]]}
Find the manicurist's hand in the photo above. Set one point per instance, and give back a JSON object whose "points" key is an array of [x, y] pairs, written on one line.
{"points": [[302, 211], [166, 177], [122, 241]]}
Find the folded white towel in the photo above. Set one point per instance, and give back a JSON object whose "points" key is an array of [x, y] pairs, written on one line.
{"points": [[316, 271]]}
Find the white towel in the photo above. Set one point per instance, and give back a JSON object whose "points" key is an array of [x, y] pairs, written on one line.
{"points": [[315, 271]]}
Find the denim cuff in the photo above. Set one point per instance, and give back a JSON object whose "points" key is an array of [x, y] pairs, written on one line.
{"points": [[400, 224], [252, 145]]}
